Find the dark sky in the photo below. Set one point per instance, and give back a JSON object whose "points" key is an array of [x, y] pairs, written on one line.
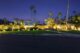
{"points": [[21, 8]]}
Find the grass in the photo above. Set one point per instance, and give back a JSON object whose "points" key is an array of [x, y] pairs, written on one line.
{"points": [[28, 32], [33, 32], [72, 32]]}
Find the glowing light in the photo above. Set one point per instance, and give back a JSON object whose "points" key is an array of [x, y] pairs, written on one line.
{"points": [[49, 24], [72, 27], [79, 29], [58, 26]]}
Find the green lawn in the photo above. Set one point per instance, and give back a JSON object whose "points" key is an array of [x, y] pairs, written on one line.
{"points": [[28, 32], [72, 32], [39, 32]]}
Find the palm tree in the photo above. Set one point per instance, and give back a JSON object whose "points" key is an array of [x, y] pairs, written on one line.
{"points": [[32, 7], [35, 16], [33, 12], [67, 14], [59, 17], [5, 21], [21, 22], [16, 20], [28, 22], [50, 14], [75, 13]]}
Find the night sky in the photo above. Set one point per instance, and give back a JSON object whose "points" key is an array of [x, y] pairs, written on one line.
{"points": [[21, 8]]}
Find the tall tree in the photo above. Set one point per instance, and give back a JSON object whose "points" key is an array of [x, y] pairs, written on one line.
{"points": [[22, 22], [74, 12], [16, 20], [5, 20], [28, 22], [50, 14], [33, 12], [59, 17], [67, 14]]}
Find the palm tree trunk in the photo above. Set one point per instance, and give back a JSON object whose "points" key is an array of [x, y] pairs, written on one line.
{"points": [[67, 14]]}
